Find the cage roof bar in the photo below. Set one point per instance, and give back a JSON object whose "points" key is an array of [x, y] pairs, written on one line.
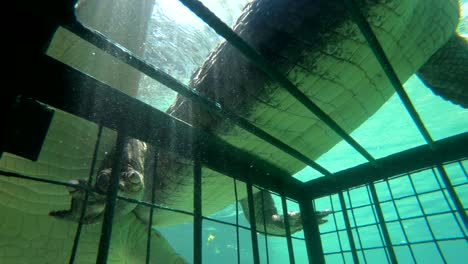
{"points": [[102, 42], [62, 87], [379, 53], [444, 150], [396, 83], [262, 63]]}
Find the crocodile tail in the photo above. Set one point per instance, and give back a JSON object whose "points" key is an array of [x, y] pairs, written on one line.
{"points": [[446, 72]]}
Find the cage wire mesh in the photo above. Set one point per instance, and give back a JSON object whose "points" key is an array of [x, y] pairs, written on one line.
{"points": [[370, 220]]}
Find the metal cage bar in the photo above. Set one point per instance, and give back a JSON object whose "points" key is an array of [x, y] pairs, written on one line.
{"points": [[111, 200], [453, 195], [460, 225], [351, 209], [103, 43], [444, 150], [379, 54], [258, 60], [425, 218], [287, 228], [86, 198], [151, 211], [400, 220], [352, 244], [311, 232], [336, 228], [197, 209], [382, 223], [253, 223], [265, 234], [237, 221]]}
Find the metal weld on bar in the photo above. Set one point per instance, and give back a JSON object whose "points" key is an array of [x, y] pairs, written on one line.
{"points": [[86, 197], [197, 208], [111, 198], [287, 228], [100, 41], [352, 244], [153, 200], [382, 223], [379, 53], [253, 224], [311, 232], [453, 195], [258, 60]]}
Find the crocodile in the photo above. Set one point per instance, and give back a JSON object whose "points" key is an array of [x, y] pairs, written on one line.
{"points": [[314, 44]]}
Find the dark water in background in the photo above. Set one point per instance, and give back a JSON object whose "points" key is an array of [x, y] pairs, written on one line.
{"points": [[393, 135]]}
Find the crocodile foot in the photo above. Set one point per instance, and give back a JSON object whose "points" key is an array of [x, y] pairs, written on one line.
{"points": [[131, 185], [94, 209], [295, 220]]}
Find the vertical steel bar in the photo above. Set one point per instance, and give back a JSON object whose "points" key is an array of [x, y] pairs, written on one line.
{"points": [[453, 195], [382, 223], [447, 202], [376, 218], [111, 198], [153, 199], [311, 232], [86, 198], [336, 228], [352, 244], [237, 221], [439, 250], [463, 169], [265, 227], [379, 53], [357, 229], [253, 223], [287, 227], [264, 65], [197, 210]]}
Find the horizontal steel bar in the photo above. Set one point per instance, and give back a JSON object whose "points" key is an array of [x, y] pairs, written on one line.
{"points": [[444, 150], [387, 67], [62, 87], [263, 64], [102, 42]]}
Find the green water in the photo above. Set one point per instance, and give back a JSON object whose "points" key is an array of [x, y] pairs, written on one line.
{"points": [[382, 135], [396, 135], [389, 131]]}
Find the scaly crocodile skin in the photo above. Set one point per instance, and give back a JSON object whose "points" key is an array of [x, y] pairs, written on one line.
{"points": [[335, 68]]}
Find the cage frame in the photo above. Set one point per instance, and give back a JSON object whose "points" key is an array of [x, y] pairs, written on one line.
{"points": [[63, 93]]}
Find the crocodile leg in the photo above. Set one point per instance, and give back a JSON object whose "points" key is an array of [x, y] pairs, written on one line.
{"points": [[274, 221], [446, 72], [131, 185]]}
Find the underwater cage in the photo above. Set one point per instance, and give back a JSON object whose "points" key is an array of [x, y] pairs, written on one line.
{"points": [[76, 114]]}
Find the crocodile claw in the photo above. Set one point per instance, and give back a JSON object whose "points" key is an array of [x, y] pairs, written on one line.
{"points": [[130, 185], [94, 208]]}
